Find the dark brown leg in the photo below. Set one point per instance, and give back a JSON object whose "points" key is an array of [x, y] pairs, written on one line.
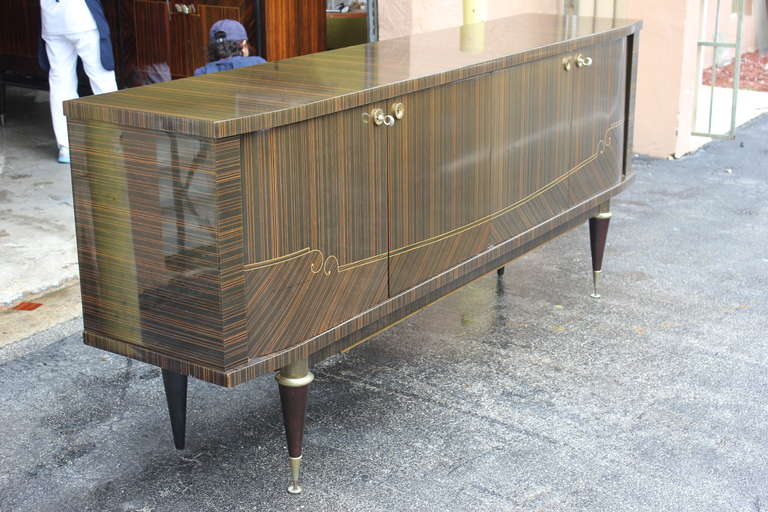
{"points": [[500, 271], [293, 381], [598, 231], [176, 395]]}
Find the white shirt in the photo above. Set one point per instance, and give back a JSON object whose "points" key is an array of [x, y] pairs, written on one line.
{"points": [[65, 17]]}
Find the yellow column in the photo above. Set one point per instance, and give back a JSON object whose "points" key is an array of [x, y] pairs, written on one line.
{"points": [[473, 30], [475, 11]]}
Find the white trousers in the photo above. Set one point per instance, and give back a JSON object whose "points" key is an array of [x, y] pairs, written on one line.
{"points": [[63, 51]]}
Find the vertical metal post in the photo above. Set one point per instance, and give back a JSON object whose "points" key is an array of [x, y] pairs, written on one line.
{"points": [[373, 21], [716, 44], [737, 66], [714, 66]]}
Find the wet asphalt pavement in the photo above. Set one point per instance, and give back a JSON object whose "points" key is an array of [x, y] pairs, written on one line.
{"points": [[519, 394]]}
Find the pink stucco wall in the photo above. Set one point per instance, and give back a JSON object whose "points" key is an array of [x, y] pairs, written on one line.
{"points": [[667, 67]]}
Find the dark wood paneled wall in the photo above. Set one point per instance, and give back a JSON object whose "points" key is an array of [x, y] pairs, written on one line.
{"points": [[293, 27], [152, 39]]}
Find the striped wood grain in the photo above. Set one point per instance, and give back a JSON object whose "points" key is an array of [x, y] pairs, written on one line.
{"points": [[316, 226], [284, 92], [225, 259], [439, 179], [155, 265]]}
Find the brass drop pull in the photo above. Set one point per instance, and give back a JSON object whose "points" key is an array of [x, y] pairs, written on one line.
{"points": [[380, 118], [582, 61], [398, 110], [567, 63]]}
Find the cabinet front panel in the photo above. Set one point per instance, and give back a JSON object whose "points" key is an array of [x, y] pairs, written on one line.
{"points": [[531, 145], [598, 119], [316, 227], [439, 177]]}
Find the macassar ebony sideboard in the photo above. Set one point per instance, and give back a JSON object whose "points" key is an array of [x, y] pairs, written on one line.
{"points": [[262, 219]]}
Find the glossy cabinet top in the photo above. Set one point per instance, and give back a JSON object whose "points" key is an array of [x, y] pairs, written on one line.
{"points": [[260, 97]]}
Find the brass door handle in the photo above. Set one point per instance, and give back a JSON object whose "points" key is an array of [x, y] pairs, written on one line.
{"points": [[398, 110], [378, 116], [582, 61]]}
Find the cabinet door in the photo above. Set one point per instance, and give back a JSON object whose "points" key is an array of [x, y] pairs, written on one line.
{"points": [[315, 227], [439, 177], [531, 145], [598, 119], [152, 32], [187, 40]]}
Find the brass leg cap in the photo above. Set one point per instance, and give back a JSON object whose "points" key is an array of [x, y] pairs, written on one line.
{"points": [[595, 278], [295, 487]]}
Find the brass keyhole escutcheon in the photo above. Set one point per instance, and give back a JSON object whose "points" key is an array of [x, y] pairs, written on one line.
{"points": [[567, 63], [583, 61], [398, 110]]}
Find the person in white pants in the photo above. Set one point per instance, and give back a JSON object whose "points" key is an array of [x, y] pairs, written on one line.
{"points": [[69, 30]]}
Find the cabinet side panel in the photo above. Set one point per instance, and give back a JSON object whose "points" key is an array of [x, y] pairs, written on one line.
{"points": [[316, 227], [145, 211], [633, 45]]}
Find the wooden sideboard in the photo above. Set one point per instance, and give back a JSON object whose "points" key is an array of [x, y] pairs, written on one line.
{"points": [[262, 219], [164, 39]]}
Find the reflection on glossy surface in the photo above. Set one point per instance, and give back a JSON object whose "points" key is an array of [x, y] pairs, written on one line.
{"points": [[300, 81], [311, 227], [145, 211]]}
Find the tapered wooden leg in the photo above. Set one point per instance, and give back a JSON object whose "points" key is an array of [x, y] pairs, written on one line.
{"points": [[500, 271], [598, 232], [176, 395], [293, 381]]}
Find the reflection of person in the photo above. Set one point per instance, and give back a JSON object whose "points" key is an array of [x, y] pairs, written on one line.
{"points": [[72, 28], [228, 48]]}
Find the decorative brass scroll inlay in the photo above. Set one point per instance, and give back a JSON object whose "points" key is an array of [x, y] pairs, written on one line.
{"points": [[327, 264]]}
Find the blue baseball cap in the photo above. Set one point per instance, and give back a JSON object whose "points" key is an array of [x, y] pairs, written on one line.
{"points": [[233, 31]]}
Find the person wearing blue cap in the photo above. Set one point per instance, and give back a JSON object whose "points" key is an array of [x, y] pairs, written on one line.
{"points": [[72, 29], [228, 48]]}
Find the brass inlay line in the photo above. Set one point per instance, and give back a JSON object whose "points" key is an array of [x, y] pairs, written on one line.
{"points": [[275, 261], [325, 264], [520, 202]]}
